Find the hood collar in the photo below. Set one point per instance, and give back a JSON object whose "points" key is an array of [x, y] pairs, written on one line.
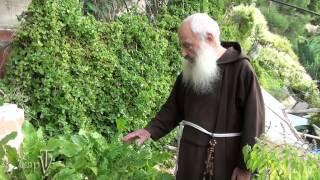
{"points": [[232, 54]]}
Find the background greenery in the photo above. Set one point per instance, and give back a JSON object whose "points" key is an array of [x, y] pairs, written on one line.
{"points": [[291, 23], [281, 161]]}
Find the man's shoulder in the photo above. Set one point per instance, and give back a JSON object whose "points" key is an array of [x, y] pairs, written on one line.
{"points": [[243, 62]]}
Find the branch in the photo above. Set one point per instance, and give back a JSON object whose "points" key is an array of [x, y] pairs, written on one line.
{"points": [[310, 110]]}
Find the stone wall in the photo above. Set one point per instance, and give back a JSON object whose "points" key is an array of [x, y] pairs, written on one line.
{"points": [[9, 9]]}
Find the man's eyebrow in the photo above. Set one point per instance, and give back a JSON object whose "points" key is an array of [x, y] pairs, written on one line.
{"points": [[185, 44]]}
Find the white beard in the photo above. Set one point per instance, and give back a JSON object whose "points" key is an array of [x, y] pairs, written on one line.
{"points": [[203, 72]]}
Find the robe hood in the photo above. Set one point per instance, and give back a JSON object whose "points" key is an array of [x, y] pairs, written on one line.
{"points": [[233, 53]]}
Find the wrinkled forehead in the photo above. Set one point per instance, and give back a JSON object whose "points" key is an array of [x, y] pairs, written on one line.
{"points": [[185, 33]]}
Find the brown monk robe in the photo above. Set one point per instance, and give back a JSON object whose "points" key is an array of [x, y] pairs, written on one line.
{"points": [[235, 104]]}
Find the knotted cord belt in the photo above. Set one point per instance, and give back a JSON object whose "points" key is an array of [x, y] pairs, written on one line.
{"points": [[212, 143]]}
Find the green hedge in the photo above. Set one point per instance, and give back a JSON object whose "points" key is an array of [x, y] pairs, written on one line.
{"points": [[70, 71]]}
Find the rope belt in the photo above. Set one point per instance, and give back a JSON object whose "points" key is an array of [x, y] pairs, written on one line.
{"points": [[217, 135], [212, 143]]}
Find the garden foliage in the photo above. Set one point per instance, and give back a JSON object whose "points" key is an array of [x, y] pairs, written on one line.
{"points": [[83, 155], [72, 72], [281, 162], [290, 22], [273, 58]]}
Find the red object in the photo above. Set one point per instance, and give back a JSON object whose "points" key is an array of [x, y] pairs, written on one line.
{"points": [[6, 37]]}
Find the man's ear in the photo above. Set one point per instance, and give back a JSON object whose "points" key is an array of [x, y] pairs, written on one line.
{"points": [[210, 38]]}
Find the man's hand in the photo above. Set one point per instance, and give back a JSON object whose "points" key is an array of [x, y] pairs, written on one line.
{"points": [[240, 174], [140, 134]]}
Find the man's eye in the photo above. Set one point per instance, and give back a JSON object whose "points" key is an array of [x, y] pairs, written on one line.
{"points": [[188, 46]]}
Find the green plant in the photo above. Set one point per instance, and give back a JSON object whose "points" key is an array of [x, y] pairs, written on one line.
{"points": [[280, 162], [274, 60], [308, 49], [77, 72], [285, 20], [82, 155], [315, 119]]}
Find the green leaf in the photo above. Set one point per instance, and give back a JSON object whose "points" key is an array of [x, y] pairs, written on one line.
{"points": [[69, 149], [80, 162], [94, 170], [34, 175], [56, 165], [79, 140], [2, 153], [12, 155], [67, 174], [121, 124], [8, 137], [3, 174], [53, 144], [28, 129]]}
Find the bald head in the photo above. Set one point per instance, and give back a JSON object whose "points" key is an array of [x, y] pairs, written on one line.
{"points": [[195, 29], [202, 25]]}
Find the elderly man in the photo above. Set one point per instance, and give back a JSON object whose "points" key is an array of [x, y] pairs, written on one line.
{"points": [[218, 99]]}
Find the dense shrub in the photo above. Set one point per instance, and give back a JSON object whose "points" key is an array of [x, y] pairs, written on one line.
{"points": [[80, 73], [276, 63]]}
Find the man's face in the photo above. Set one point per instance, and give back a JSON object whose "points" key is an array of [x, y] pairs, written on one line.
{"points": [[189, 43], [200, 69]]}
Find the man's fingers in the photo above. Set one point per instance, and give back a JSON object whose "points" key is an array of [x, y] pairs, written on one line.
{"points": [[141, 140], [142, 134], [129, 137]]}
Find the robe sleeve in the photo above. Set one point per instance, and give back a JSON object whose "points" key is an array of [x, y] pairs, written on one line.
{"points": [[253, 109], [169, 115]]}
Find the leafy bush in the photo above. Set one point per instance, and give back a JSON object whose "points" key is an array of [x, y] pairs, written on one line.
{"points": [[290, 73], [77, 72], [285, 20], [84, 155], [277, 22], [274, 60], [281, 162]]}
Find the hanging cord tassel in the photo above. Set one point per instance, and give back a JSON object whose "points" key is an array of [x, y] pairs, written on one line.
{"points": [[179, 135], [208, 174], [209, 170]]}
